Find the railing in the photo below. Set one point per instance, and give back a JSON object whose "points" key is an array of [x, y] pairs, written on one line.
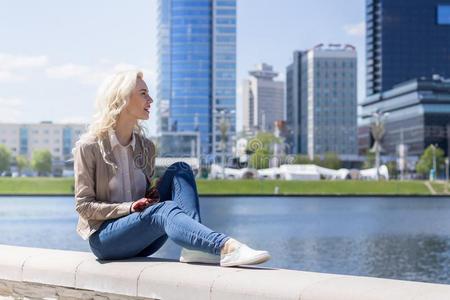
{"points": [[53, 274]]}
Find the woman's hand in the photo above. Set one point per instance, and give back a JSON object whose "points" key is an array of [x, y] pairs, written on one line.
{"points": [[141, 204], [153, 194]]}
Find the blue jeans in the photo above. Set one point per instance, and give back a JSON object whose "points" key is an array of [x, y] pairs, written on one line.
{"points": [[176, 216]]}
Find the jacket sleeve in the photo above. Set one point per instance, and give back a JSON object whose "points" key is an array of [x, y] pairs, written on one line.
{"points": [[152, 157], [86, 204]]}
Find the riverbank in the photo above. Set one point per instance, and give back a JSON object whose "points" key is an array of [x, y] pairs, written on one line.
{"points": [[64, 186], [39, 273]]}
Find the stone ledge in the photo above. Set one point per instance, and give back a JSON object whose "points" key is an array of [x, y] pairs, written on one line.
{"points": [[58, 274]]}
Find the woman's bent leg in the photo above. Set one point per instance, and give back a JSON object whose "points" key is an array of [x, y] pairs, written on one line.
{"points": [[130, 235], [178, 184], [182, 229], [153, 247], [126, 237]]}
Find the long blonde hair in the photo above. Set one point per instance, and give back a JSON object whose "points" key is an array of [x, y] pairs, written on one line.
{"points": [[112, 96]]}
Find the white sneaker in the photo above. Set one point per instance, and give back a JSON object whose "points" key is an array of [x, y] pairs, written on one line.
{"points": [[244, 255], [195, 256]]}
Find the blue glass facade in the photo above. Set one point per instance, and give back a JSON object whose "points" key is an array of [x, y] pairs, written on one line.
{"points": [[197, 64], [67, 141], [23, 138], [443, 14], [406, 39]]}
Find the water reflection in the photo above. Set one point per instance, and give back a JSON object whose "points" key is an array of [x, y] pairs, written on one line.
{"points": [[382, 237]]}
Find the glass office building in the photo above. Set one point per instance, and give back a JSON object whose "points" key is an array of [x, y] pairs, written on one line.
{"points": [[197, 67], [408, 55], [419, 116], [406, 39]]}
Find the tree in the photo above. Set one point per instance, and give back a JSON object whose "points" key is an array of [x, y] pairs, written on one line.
{"points": [[301, 160], [425, 163], [5, 158], [260, 159], [42, 162], [392, 168], [22, 163], [370, 160], [263, 140], [260, 148], [331, 160]]}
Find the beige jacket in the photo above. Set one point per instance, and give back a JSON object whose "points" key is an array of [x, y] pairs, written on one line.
{"points": [[94, 167]]}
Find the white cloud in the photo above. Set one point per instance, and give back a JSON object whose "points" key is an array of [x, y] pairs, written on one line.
{"points": [[67, 71], [14, 67], [15, 62], [9, 76], [11, 109], [358, 29], [93, 75], [73, 119]]}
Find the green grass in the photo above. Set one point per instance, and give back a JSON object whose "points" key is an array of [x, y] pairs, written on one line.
{"points": [[43, 185], [439, 187], [267, 187], [36, 185]]}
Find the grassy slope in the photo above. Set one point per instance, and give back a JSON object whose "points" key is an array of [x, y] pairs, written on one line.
{"points": [[313, 187], [42, 185], [36, 185]]}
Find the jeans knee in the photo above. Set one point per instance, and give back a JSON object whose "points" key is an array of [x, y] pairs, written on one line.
{"points": [[180, 166], [161, 210]]}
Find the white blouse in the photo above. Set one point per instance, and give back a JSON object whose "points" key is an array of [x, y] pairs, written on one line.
{"points": [[129, 183]]}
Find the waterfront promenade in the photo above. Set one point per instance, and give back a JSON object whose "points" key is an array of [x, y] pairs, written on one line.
{"points": [[56, 274]]}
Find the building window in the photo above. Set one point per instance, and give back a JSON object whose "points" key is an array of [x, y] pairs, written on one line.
{"points": [[443, 14]]}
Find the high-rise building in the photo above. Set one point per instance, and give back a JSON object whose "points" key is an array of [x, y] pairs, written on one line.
{"points": [[262, 99], [418, 116], [321, 100], [407, 53], [406, 39], [197, 67]]}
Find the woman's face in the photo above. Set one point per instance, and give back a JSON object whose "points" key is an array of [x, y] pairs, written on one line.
{"points": [[140, 101]]}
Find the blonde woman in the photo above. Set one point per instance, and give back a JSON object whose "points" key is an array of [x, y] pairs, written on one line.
{"points": [[119, 213]]}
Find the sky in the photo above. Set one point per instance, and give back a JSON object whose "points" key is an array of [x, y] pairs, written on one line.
{"points": [[54, 54]]}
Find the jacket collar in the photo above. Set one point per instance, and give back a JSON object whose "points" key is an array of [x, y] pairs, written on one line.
{"points": [[114, 141], [109, 158]]}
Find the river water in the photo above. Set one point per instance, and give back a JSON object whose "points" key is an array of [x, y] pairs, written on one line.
{"points": [[401, 238]]}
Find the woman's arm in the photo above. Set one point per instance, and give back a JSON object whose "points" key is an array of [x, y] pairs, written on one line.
{"points": [[86, 204]]}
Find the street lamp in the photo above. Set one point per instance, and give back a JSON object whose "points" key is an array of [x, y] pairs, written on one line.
{"points": [[446, 174], [378, 131], [224, 126], [434, 162]]}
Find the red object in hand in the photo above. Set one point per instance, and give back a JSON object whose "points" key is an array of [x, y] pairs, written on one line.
{"points": [[141, 204]]}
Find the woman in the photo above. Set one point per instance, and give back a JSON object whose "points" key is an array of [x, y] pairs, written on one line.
{"points": [[119, 213]]}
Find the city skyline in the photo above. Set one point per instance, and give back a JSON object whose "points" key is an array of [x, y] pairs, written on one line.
{"points": [[68, 62]]}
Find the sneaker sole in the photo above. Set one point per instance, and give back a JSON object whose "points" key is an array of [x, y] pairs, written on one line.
{"points": [[259, 259], [199, 261]]}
